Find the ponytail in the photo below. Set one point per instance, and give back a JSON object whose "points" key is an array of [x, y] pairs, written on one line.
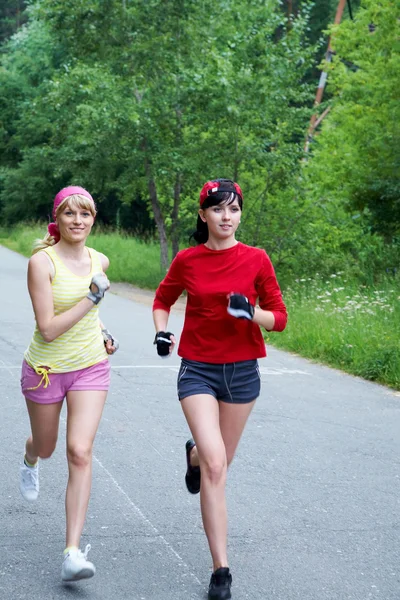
{"points": [[201, 234], [46, 242]]}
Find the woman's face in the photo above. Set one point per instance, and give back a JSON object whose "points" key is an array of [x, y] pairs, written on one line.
{"points": [[222, 220], [74, 223]]}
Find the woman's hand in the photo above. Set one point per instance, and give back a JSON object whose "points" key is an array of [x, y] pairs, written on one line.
{"points": [[110, 343], [110, 348], [165, 342], [240, 307], [98, 287]]}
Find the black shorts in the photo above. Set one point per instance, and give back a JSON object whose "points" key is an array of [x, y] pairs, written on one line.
{"points": [[237, 383]]}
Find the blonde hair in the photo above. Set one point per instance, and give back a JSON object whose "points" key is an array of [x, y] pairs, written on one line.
{"points": [[73, 201]]}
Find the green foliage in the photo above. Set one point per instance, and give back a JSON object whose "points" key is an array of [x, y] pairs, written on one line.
{"points": [[12, 17], [153, 91], [356, 159], [142, 102]]}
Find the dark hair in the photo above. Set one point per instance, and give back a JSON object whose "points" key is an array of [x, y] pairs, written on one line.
{"points": [[201, 234]]}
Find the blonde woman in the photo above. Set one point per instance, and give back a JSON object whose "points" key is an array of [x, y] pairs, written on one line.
{"points": [[67, 358]]}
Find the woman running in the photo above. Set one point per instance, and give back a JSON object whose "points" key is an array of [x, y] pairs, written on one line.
{"points": [[219, 379], [67, 358]]}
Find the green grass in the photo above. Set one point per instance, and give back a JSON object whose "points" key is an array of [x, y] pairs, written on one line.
{"points": [[333, 321], [131, 260], [20, 238], [353, 328]]}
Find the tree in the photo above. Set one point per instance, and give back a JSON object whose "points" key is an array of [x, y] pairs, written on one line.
{"points": [[12, 17], [149, 99], [356, 157]]}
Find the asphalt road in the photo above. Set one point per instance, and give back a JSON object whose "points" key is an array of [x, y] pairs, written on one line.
{"points": [[313, 494]]}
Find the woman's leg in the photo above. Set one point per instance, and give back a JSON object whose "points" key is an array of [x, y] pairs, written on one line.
{"points": [[232, 420], [202, 414], [44, 420], [84, 413], [212, 423]]}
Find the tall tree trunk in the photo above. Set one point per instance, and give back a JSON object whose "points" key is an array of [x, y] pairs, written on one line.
{"points": [[260, 217], [158, 216], [175, 215], [236, 158]]}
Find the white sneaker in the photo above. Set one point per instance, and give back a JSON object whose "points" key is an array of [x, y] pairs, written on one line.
{"points": [[29, 482], [76, 566]]}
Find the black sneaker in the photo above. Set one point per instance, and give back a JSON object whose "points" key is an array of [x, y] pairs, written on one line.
{"points": [[220, 585], [192, 477]]}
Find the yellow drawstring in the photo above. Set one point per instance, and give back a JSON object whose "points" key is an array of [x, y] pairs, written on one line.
{"points": [[45, 377]]}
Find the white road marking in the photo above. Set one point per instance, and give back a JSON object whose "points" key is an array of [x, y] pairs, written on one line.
{"points": [[147, 521], [142, 515], [284, 371], [175, 368]]}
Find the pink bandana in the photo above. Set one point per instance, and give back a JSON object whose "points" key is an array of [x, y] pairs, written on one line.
{"points": [[62, 194]]}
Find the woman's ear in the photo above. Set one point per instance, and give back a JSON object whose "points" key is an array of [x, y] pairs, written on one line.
{"points": [[202, 215]]}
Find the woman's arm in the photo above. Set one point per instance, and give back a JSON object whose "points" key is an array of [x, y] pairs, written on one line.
{"points": [[110, 348], [271, 312], [105, 263], [40, 291], [264, 318], [160, 318], [167, 294]]}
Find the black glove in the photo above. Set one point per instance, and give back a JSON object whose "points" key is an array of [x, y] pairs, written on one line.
{"points": [[240, 307], [163, 342]]}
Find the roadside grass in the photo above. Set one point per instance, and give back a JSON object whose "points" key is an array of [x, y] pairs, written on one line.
{"points": [[131, 260], [340, 323], [334, 321]]}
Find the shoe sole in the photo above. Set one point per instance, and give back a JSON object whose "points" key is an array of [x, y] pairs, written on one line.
{"points": [[28, 499], [83, 574]]}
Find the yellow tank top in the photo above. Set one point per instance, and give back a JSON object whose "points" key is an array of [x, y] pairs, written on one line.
{"points": [[81, 346]]}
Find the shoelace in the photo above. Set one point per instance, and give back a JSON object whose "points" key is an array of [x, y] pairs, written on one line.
{"points": [[87, 550], [30, 477]]}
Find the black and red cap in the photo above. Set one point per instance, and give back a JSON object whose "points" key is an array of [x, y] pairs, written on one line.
{"points": [[219, 185]]}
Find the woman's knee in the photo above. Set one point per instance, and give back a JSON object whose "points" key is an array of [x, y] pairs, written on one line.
{"points": [[214, 468], [79, 455], [44, 449]]}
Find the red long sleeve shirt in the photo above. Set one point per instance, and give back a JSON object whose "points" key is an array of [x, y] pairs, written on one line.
{"points": [[210, 333]]}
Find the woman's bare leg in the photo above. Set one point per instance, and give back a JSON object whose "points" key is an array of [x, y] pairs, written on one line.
{"points": [[84, 413], [44, 420]]}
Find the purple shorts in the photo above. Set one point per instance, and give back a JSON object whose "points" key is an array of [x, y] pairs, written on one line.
{"points": [[96, 377]]}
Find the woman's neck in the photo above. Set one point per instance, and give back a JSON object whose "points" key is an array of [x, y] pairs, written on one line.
{"points": [[69, 251], [217, 244]]}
